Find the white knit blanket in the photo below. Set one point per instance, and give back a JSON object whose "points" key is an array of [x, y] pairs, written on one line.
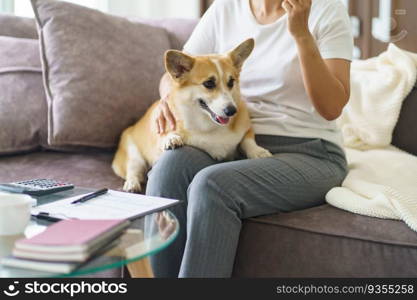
{"points": [[382, 180]]}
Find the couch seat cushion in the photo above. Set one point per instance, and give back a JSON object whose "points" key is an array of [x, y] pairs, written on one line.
{"points": [[325, 241], [330, 220], [91, 169]]}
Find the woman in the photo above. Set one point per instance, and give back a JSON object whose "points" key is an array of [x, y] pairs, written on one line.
{"points": [[296, 82]]}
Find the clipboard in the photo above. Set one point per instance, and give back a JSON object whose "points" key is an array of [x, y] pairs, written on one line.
{"points": [[110, 206]]}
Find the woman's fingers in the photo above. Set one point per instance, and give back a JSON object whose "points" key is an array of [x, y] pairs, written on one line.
{"points": [[299, 3], [168, 116], [158, 130], [293, 3], [166, 224], [298, 13], [161, 123], [286, 6], [164, 115], [157, 125]]}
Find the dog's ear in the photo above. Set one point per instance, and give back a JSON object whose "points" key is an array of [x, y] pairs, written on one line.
{"points": [[178, 63], [241, 53]]}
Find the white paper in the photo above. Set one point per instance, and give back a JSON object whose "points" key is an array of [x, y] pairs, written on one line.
{"points": [[112, 205]]}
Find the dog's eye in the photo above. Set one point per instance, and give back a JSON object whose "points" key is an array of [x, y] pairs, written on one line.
{"points": [[231, 82], [209, 84]]}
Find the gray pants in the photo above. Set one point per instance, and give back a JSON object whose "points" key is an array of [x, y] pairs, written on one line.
{"points": [[217, 196]]}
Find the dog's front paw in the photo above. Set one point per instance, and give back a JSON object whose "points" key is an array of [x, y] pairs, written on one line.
{"points": [[172, 141], [258, 152], [132, 186]]}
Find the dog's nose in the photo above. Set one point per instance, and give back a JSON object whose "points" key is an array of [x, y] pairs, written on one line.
{"points": [[230, 110]]}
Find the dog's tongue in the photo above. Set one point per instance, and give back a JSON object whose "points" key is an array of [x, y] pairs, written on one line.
{"points": [[222, 120]]}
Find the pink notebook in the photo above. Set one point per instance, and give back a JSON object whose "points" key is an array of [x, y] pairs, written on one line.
{"points": [[73, 235]]}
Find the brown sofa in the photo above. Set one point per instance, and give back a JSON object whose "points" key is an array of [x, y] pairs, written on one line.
{"points": [[318, 242]]}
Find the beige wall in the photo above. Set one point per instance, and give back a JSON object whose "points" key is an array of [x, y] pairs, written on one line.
{"points": [[134, 8], [155, 8]]}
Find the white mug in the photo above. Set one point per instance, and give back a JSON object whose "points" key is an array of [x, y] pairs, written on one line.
{"points": [[14, 213]]}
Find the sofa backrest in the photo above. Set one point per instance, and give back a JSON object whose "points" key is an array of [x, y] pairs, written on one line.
{"points": [[405, 132], [18, 27]]}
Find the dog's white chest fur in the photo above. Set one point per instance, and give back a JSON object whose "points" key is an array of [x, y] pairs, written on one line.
{"points": [[221, 144], [218, 141]]}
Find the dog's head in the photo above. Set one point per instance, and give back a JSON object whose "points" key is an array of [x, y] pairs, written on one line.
{"points": [[209, 84]]}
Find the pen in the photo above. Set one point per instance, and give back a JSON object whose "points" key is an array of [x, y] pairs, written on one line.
{"points": [[47, 217], [90, 196]]}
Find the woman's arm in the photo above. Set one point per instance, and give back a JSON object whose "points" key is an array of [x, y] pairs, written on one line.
{"points": [[327, 82], [165, 113]]}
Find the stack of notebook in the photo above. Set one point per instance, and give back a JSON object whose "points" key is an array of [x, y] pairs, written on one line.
{"points": [[65, 245]]}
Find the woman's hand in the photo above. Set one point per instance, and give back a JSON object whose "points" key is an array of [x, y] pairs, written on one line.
{"points": [[166, 225], [164, 115], [298, 12]]}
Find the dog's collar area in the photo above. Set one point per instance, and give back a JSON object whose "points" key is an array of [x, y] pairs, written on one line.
{"points": [[218, 119]]}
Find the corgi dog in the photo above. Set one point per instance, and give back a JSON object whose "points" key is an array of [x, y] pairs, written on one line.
{"points": [[209, 112]]}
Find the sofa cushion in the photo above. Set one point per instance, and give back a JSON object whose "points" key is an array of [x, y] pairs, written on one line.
{"points": [[101, 72], [19, 27], [325, 242], [405, 132], [89, 169], [23, 109]]}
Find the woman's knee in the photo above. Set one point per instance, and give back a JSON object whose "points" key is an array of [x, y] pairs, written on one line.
{"points": [[208, 189], [177, 167]]}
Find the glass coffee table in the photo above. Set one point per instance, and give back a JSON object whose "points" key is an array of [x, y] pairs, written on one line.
{"points": [[133, 249]]}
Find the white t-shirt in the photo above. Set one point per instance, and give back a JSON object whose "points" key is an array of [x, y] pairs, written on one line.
{"points": [[271, 79]]}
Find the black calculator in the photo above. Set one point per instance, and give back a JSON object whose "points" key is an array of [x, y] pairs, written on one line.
{"points": [[36, 187]]}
